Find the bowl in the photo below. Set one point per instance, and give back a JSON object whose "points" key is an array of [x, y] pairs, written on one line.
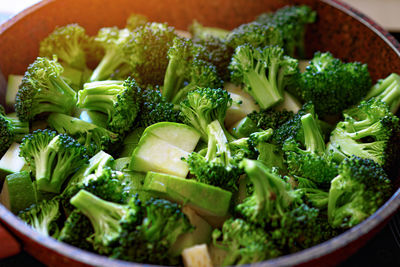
{"points": [[346, 33]]}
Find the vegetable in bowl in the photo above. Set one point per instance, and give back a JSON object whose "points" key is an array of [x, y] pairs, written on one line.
{"points": [[184, 153]]}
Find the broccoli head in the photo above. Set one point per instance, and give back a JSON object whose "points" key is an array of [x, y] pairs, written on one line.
{"points": [[113, 41], [332, 85], [254, 34], [93, 137], [202, 32], [311, 162], [218, 167], [291, 21], [43, 90], [135, 20], [264, 72], [369, 130], [155, 108], [117, 99], [244, 243], [52, 157], [11, 130], [272, 196], [76, 231], [360, 188], [388, 91], [68, 44], [204, 105], [43, 217], [269, 118], [147, 52]]}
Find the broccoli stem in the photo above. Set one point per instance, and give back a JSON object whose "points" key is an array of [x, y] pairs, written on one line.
{"points": [[103, 215], [109, 63], [173, 78], [262, 89], [388, 91], [61, 86], [181, 94], [20, 129], [313, 139]]}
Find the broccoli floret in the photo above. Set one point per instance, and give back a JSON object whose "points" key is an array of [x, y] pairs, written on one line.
{"points": [[388, 91], [269, 118], [311, 162], [43, 90], [217, 167], [202, 32], [291, 21], [301, 228], [76, 231], [119, 100], [93, 137], [293, 128], [52, 157], [369, 130], [155, 108], [135, 20], [134, 231], [163, 222], [332, 85], [265, 72], [43, 217], [272, 196], [254, 34], [203, 106], [11, 130], [147, 52], [360, 188], [217, 52], [68, 44], [180, 55], [244, 243], [113, 41]]}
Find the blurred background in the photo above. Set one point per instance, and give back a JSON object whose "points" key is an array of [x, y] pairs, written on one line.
{"points": [[384, 248]]}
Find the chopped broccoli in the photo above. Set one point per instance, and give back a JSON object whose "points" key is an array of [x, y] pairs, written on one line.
{"points": [[217, 52], [332, 85], [113, 41], [11, 130], [388, 91], [265, 72], [369, 130], [272, 196], [93, 137], [269, 118], [117, 99], [254, 34], [181, 55], [43, 217], [140, 232], [204, 105], [244, 243], [68, 44], [292, 128], [311, 162], [155, 108], [217, 167], [76, 231], [360, 188], [52, 157], [291, 21], [147, 52], [43, 90]]}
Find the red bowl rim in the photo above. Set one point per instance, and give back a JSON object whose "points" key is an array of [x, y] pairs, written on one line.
{"points": [[382, 215]]}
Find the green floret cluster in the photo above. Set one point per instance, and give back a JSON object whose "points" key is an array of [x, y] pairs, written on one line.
{"points": [[140, 143]]}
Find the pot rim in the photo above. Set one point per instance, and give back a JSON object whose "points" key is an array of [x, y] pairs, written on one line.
{"points": [[381, 215]]}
